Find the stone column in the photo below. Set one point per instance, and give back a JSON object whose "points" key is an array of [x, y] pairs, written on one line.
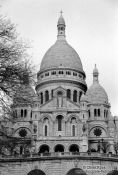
{"points": [[111, 149], [72, 95]]}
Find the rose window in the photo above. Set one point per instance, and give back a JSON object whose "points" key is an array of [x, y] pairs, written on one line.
{"points": [[97, 132], [22, 133]]}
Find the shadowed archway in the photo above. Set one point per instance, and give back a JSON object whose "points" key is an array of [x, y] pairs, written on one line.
{"points": [[44, 149], [74, 148], [36, 172], [114, 172], [76, 171], [59, 148]]}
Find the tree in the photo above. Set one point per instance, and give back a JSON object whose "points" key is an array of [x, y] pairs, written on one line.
{"points": [[15, 68]]}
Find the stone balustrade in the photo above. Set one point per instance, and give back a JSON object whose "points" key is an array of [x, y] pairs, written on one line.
{"points": [[59, 154]]}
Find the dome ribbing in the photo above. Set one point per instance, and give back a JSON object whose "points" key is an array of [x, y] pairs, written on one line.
{"points": [[96, 93], [61, 54]]}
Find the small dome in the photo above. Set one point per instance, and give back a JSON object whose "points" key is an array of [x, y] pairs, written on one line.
{"points": [[61, 54], [96, 94], [61, 21], [24, 96]]}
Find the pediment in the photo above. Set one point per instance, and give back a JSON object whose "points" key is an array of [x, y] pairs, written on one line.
{"points": [[48, 105], [72, 105], [58, 103]]}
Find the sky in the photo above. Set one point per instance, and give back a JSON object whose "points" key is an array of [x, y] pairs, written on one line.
{"points": [[91, 29]]}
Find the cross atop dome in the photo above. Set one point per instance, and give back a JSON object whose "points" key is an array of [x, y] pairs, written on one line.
{"points": [[61, 27], [95, 74]]}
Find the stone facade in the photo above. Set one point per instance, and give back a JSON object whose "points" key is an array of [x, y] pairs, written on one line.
{"points": [[62, 127]]}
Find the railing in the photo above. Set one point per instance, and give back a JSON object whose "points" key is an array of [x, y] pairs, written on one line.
{"points": [[58, 154]]}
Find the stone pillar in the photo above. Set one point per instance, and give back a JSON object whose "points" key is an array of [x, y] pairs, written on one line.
{"points": [[77, 97], [84, 143], [111, 149], [50, 95], [72, 95]]}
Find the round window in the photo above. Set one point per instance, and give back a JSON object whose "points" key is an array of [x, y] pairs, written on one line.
{"points": [[22, 133], [97, 132]]}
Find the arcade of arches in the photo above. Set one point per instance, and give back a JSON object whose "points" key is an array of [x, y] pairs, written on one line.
{"points": [[74, 171], [74, 148]]}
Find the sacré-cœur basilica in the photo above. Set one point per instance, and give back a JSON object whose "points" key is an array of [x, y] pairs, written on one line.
{"points": [[63, 127]]}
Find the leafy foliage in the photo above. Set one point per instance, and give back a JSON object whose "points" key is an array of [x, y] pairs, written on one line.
{"points": [[15, 68]]}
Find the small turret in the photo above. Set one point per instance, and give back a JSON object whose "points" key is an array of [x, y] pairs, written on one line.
{"points": [[61, 27], [95, 75]]}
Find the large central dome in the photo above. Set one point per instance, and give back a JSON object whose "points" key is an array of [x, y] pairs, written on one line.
{"points": [[61, 54]]}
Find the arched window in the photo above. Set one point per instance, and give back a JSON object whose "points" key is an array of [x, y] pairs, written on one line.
{"points": [[25, 112], [80, 94], [46, 96], [74, 74], [52, 93], [31, 114], [75, 96], [47, 74], [44, 149], [104, 113], [41, 98], [89, 113], [68, 72], [74, 148], [68, 93], [73, 130], [95, 112], [59, 118], [21, 112], [53, 73], [46, 130], [60, 72], [98, 112], [59, 148]]}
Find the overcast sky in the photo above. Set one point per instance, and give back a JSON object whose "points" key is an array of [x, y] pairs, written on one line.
{"points": [[91, 29]]}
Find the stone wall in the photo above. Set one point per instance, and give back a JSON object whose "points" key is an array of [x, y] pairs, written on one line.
{"points": [[59, 165]]}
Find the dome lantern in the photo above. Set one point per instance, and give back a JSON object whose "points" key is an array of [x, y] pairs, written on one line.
{"points": [[95, 75], [61, 27]]}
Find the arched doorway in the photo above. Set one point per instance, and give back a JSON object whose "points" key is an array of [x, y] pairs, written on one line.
{"points": [[74, 148], [114, 172], [59, 148], [36, 172], [44, 149], [76, 171], [59, 119]]}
